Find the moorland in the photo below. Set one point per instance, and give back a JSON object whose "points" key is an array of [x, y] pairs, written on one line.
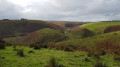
{"points": [[37, 43]]}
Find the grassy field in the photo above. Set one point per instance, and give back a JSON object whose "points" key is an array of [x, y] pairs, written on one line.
{"points": [[39, 58]]}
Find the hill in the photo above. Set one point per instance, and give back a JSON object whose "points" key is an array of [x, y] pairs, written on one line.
{"points": [[89, 45], [43, 36], [107, 41], [12, 28], [68, 24], [99, 27]]}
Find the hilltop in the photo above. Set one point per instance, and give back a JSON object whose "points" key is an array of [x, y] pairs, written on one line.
{"points": [[99, 27]]}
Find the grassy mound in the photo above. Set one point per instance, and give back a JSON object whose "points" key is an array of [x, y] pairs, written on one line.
{"points": [[22, 27], [98, 27], [81, 31]]}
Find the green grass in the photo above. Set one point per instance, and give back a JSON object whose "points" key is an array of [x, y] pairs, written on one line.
{"points": [[40, 57], [98, 27]]}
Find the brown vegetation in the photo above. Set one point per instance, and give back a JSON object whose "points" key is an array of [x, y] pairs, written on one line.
{"points": [[2, 44], [112, 28], [109, 45]]}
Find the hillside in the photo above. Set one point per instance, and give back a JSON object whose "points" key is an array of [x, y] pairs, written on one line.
{"points": [[107, 41], [99, 27], [38, 37], [68, 24], [14, 28], [89, 45]]}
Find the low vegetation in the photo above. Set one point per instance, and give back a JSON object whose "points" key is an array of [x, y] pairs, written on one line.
{"points": [[20, 52], [53, 63], [99, 64], [42, 58], [2, 44]]}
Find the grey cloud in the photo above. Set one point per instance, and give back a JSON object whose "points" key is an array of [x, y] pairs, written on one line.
{"points": [[73, 10], [8, 10]]}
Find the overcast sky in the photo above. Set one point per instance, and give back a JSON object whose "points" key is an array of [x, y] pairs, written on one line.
{"points": [[64, 10]]}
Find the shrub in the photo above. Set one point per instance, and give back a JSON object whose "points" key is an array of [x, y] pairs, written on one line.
{"points": [[94, 55], [90, 54], [14, 47], [36, 46], [101, 52], [68, 49], [31, 52], [99, 64], [2, 45], [117, 58], [52, 63], [20, 52], [86, 59], [116, 52]]}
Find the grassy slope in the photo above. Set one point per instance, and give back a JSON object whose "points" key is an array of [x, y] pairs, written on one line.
{"points": [[39, 58], [46, 34], [91, 42], [98, 27]]}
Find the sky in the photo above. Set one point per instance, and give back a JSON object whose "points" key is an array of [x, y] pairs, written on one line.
{"points": [[61, 10]]}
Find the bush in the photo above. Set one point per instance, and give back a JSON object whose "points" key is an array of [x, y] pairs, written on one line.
{"points": [[20, 52], [101, 52], [36, 46], [99, 64], [68, 49], [52, 63], [117, 58], [94, 55], [30, 51], [14, 47], [116, 52], [2, 45], [86, 59]]}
